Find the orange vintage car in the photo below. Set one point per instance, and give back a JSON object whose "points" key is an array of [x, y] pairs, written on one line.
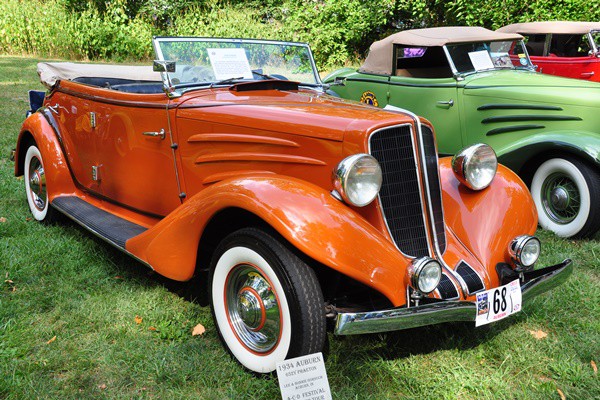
{"points": [[229, 161]]}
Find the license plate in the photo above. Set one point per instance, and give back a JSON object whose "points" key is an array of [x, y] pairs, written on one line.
{"points": [[496, 304]]}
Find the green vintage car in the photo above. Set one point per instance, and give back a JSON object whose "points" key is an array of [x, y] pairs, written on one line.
{"points": [[477, 85]]}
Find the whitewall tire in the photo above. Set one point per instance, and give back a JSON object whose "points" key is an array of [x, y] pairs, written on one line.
{"points": [[267, 303], [35, 185], [566, 192]]}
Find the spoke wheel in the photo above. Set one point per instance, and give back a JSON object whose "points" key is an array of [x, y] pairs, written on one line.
{"points": [[563, 190], [266, 302], [560, 197]]}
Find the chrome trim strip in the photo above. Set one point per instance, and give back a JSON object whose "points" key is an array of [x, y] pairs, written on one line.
{"points": [[412, 139], [429, 201], [462, 281], [453, 285], [443, 311], [98, 235]]}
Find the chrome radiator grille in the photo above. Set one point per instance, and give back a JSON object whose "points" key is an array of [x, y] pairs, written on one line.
{"points": [[400, 195]]}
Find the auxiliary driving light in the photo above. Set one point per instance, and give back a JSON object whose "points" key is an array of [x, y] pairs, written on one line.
{"points": [[524, 250], [425, 274]]}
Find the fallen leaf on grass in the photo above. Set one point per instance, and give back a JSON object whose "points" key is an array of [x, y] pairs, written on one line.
{"points": [[138, 319], [561, 394], [118, 277], [151, 328], [594, 367], [8, 281], [539, 335], [198, 330], [51, 340], [27, 219], [102, 386], [2, 220]]}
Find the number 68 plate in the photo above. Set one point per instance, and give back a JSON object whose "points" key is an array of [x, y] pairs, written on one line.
{"points": [[496, 304]]}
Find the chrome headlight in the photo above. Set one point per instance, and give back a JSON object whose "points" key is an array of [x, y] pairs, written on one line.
{"points": [[475, 166], [524, 250], [357, 179], [425, 274]]}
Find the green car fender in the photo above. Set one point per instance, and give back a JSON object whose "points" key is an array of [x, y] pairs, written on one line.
{"points": [[526, 153]]}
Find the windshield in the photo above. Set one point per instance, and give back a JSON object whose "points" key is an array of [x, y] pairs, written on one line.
{"points": [[201, 61], [484, 56], [596, 39]]}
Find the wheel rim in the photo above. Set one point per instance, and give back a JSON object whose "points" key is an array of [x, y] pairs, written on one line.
{"points": [[37, 183], [253, 308], [560, 198]]}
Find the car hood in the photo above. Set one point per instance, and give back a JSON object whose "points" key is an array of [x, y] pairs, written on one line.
{"points": [[299, 112], [532, 86]]}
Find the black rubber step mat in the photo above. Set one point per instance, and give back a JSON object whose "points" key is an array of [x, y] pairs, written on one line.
{"points": [[104, 224]]}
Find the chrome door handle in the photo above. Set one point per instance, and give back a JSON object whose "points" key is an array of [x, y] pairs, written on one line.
{"points": [[448, 103], [160, 134], [587, 74], [53, 108]]}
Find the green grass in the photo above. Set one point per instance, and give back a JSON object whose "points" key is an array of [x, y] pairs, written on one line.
{"points": [[59, 281]]}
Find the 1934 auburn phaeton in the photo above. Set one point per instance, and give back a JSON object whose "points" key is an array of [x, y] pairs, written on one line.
{"points": [[299, 207]]}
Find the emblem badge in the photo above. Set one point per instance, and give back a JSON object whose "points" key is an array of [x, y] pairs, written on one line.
{"points": [[369, 98]]}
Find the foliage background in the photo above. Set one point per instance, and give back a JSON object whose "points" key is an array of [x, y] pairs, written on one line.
{"points": [[339, 31]]}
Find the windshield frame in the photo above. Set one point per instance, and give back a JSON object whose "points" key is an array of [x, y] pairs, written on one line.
{"points": [[175, 91], [460, 75]]}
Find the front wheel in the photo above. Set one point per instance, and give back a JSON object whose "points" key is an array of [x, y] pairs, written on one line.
{"points": [[563, 190], [266, 302]]}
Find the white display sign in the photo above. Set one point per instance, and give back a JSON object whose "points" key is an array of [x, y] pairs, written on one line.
{"points": [[303, 378], [229, 63], [496, 304], [481, 60]]}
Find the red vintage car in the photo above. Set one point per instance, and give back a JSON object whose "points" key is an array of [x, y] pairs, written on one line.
{"points": [[563, 48], [292, 207]]}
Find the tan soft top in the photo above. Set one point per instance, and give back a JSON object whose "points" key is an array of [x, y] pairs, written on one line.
{"points": [[51, 72], [564, 27], [379, 60]]}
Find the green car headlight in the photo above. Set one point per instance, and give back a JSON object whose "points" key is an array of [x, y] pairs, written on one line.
{"points": [[357, 179], [475, 166]]}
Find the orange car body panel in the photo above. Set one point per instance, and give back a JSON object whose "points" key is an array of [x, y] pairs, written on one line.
{"points": [[256, 151]]}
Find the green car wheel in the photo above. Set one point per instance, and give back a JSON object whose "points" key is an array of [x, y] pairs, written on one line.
{"points": [[563, 189]]}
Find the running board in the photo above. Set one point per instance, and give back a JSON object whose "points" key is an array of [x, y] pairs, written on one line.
{"points": [[103, 224]]}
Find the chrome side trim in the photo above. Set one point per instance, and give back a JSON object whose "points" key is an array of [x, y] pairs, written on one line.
{"points": [[536, 283]]}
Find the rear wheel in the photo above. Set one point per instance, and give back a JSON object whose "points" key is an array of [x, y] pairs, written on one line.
{"points": [[266, 302], [563, 190], [35, 186]]}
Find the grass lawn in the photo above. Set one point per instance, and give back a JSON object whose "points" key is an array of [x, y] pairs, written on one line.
{"points": [[80, 320]]}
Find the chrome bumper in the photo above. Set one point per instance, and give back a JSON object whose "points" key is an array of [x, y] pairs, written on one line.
{"points": [[535, 283]]}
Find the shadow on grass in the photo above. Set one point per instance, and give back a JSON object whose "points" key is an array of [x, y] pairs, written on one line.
{"points": [[384, 346]]}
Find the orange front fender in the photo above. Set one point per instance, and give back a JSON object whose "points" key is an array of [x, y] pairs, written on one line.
{"points": [[486, 221], [59, 180], [306, 215]]}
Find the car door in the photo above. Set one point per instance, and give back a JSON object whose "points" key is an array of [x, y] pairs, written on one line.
{"points": [[136, 165], [435, 99]]}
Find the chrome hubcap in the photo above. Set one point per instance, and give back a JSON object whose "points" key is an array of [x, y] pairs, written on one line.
{"points": [[560, 198], [252, 308], [37, 184]]}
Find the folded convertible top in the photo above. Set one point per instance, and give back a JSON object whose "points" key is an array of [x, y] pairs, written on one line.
{"points": [[51, 72]]}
